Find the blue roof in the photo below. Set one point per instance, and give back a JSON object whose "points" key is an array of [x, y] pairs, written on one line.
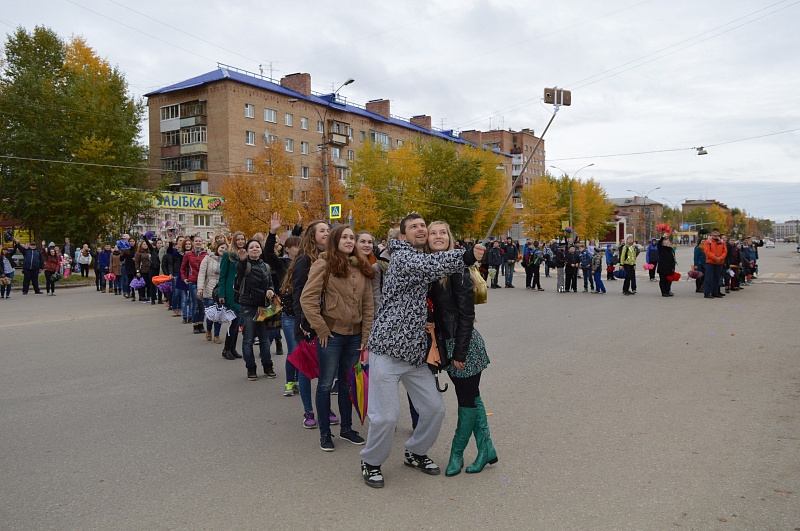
{"points": [[222, 73]]}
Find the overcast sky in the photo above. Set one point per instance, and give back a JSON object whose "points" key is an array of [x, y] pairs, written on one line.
{"points": [[646, 76]]}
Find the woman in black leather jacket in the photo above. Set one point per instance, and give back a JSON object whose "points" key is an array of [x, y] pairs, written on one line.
{"points": [[454, 316], [253, 288]]}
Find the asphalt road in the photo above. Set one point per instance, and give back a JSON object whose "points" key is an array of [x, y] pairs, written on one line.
{"points": [[608, 412]]}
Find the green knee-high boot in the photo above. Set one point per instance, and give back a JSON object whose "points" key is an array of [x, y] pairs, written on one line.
{"points": [[464, 428], [486, 451]]}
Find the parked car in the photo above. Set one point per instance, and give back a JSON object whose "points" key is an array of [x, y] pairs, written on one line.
{"points": [[769, 243]]}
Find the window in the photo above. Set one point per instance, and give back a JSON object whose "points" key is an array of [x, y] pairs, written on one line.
{"points": [[181, 218], [399, 143], [167, 216], [304, 196], [289, 145], [170, 138], [304, 172], [270, 115], [194, 135], [349, 132], [202, 220], [249, 110], [320, 126], [342, 174], [289, 120], [269, 139], [250, 138], [248, 163], [363, 136], [335, 153], [304, 148], [380, 138], [291, 195], [351, 154], [304, 123], [170, 111]]}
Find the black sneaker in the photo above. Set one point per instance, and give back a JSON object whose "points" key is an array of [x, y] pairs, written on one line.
{"points": [[353, 437], [372, 475], [236, 355], [252, 375], [422, 463], [326, 444], [269, 371], [278, 347], [228, 355]]}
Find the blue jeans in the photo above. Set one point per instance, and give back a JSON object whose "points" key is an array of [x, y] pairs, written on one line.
{"points": [[598, 281], [174, 297], [5, 291], [711, 280], [509, 273], [336, 359], [588, 278], [217, 326], [183, 300], [250, 329], [195, 312], [126, 282], [292, 374]]}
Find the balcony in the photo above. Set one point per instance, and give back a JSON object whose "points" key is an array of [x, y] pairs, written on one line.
{"points": [[188, 149], [170, 151], [194, 120], [338, 139], [339, 163], [188, 176]]}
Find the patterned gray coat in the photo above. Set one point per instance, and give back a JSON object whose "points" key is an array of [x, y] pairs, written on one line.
{"points": [[399, 328]]}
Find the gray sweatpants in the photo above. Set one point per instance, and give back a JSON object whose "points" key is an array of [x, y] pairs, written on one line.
{"points": [[384, 406]]}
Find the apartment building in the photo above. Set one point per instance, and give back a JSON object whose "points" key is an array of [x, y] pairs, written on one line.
{"points": [[206, 128], [641, 214]]}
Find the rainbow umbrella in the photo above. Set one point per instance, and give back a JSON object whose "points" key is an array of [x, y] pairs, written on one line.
{"points": [[358, 378]]}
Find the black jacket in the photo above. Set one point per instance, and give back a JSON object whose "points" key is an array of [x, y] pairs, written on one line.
{"points": [[666, 259], [127, 261], [510, 252], [155, 261], [168, 266], [572, 259], [454, 311], [279, 266], [253, 284], [302, 265], [560, 257]]}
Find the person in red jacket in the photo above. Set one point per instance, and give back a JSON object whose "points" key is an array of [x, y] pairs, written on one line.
{"points": [[190, 268], [51, 267], [716, 251]]}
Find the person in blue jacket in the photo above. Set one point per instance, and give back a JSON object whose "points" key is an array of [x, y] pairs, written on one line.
{"points": [[651, 257], [699, 263], [31, 265], [495, 261], [103, 265]]}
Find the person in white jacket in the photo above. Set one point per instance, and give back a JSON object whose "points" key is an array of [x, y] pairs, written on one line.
{"points": [[84, 260], [207, 280]]}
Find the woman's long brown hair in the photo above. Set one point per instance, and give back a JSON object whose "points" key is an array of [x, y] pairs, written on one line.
{"points": [[338, 262], [308, 246]]}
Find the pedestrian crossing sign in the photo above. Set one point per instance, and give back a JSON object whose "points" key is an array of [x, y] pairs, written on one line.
{"points": [[336, 211]]}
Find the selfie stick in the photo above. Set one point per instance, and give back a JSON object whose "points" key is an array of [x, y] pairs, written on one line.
{"points": [[557, 97]]}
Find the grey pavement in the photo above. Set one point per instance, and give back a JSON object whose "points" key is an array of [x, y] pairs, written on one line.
{"points": [[608, 412]]}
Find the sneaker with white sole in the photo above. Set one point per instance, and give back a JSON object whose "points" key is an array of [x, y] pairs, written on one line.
{"points": [[288, 389], [308, 420], [353, 437], [326, 444], [422, 463], [372, 475]]}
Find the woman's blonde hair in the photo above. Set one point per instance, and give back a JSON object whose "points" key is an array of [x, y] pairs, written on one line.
{"points": [[232, 251], [450, 245]]}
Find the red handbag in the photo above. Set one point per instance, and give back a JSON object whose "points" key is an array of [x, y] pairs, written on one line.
{"points": [[305, 358]]}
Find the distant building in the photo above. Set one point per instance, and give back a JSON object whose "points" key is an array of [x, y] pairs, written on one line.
{"points": [[691, 204], [642, 215], [787, 229]]}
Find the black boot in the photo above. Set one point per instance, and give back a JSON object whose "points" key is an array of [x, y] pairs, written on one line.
{"points": [[278, 347]]}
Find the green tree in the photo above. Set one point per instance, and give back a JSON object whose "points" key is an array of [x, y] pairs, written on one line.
{"points": [[69, 157]]}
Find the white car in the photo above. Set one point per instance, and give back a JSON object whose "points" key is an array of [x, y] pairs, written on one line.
{"points": [[769, 243]]}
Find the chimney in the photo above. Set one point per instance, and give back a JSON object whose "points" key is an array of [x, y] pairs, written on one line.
{"points": [[298, 82], [380, 107], [422, 121], [473, 136]]}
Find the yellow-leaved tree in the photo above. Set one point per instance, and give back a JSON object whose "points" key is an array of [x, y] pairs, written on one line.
{"points": [[252, 196], [541, 212]]}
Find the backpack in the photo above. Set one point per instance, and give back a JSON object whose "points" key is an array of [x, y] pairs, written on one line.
{"points": [[614, 259]]}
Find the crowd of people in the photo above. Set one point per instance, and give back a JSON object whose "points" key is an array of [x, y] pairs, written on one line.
{"points": [[390, 304]]}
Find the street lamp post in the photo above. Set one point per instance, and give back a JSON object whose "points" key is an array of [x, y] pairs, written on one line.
{"points": [[646, 223], [571, 226], [324, 147]]}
